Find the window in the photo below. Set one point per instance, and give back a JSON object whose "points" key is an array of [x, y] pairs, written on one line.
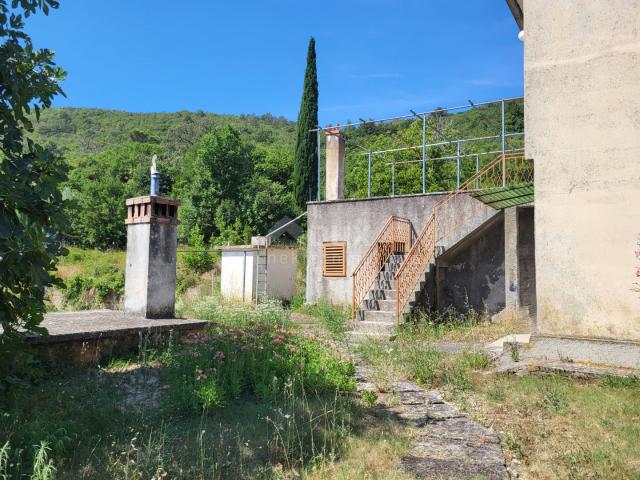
{"points": [[334, 259]]}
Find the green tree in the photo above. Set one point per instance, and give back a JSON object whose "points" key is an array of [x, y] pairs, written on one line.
{"points": [[217, 168], [99, 186], [305, 161], [31, 205]]}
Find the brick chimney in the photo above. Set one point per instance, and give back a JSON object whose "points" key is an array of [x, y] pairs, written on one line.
{"points": [[334, 184]]}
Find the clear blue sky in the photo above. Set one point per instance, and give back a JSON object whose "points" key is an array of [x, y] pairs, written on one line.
{"points": [[375, 57]]}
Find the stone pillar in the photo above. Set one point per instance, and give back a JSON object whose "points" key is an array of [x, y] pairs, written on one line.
{"points": [[512, 302], [152, 241], [334, 164]]}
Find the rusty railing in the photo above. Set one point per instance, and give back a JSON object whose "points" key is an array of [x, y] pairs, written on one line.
{"points": [[394, 237], [415, 263], [507, 169]]}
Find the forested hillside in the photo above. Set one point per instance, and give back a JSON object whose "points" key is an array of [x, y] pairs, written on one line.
{"points": [[234, 173]]}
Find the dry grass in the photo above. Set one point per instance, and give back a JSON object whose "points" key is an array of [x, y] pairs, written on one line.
{"points": [[558, 427], [374, 451]]}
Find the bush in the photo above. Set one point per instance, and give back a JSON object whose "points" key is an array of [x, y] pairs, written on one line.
{"points": [[200, 260], [215, 367], [87, 292]]}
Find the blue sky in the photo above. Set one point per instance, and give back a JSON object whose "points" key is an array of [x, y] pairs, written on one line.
{"points": [[375, 57]]}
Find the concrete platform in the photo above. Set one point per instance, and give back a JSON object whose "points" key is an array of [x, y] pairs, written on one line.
{"points": [[92, 336], [86, 324]]}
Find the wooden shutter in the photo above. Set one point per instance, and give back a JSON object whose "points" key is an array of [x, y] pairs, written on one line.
{"points": [[334, 259]]}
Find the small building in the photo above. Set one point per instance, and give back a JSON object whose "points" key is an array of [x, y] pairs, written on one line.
{"points": [[250, 272]]}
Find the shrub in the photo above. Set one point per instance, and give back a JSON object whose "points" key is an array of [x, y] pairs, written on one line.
{"points": [[200, 260], [369, 397], [215, 367]]}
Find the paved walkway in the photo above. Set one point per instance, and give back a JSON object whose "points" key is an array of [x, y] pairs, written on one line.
{"points": [[451, 446]]}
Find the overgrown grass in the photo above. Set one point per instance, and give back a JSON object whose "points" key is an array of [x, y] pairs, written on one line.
{"points": [[559, 427], [392, 361], [451, 326], [333, 318], [248, 399]]}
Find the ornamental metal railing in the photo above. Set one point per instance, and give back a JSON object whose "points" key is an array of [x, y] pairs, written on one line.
{"points": [[394, 237], [508, 169]]}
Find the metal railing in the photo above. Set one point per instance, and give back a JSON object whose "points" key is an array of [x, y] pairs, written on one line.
{"points": [[394, 237], [508, 169], [431, 142]]}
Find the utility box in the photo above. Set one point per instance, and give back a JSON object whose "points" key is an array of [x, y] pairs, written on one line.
{"points": [[254, 272]]}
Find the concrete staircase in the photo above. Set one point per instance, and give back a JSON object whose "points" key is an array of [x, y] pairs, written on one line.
{"points": [[376, 317]]}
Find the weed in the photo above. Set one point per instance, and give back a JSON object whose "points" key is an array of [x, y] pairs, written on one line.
{"points": [[612, 381], [515, 351], [513, 445], [369, 397], [4, 461], [554, 394], [43, 468], [332, 317]]}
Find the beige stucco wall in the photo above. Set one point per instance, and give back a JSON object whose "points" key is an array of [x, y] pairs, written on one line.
{"points": [[582, 118]]}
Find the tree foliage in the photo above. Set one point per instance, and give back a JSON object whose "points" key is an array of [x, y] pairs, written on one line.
{"points": [[305, 164], [31, 205], [98, 187]]}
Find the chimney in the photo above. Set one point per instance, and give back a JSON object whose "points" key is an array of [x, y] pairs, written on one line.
{"points": [[152, 241], [334, 164]]}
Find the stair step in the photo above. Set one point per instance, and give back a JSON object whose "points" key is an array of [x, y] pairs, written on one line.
{"points": [[381, 294], [378, 316], [376, 327], [356, 337], [384, 284], [380, 305]]}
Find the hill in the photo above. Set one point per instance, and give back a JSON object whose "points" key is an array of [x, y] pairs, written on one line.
{"points": [[76, 132]]}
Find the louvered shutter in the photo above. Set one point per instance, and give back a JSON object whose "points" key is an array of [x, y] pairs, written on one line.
{"points": [[334, 259]]}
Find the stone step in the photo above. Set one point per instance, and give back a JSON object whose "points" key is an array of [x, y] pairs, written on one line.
{"points": [[376, 327], [379, 284], [355, 337], [379, 305], [384, 275], [382, 294], [378, 316]]}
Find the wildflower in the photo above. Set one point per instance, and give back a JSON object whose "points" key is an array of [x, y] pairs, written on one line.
{"points": [[219, 355], [166, 387]]}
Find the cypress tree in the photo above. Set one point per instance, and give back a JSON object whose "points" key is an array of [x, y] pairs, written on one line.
{"points": [[305, 162]]}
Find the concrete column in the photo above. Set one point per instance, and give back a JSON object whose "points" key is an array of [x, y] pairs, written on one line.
{"points": [[152, 241], [512, 302], [334, 183]]}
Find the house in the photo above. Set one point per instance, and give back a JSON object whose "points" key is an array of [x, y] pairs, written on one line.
{"points": [[569, 259]]}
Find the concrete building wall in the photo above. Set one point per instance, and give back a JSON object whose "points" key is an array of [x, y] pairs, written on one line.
{"points": [[281, 275], [471, 274], [526, 260], [161, 291], [357, 222], [582, 118]]}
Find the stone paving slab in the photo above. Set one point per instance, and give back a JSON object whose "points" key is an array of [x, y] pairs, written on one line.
{"points": [[90, 324], [451, 445]]}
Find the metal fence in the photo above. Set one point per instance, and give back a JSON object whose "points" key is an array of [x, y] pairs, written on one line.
{"points": [[436, 150]]}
